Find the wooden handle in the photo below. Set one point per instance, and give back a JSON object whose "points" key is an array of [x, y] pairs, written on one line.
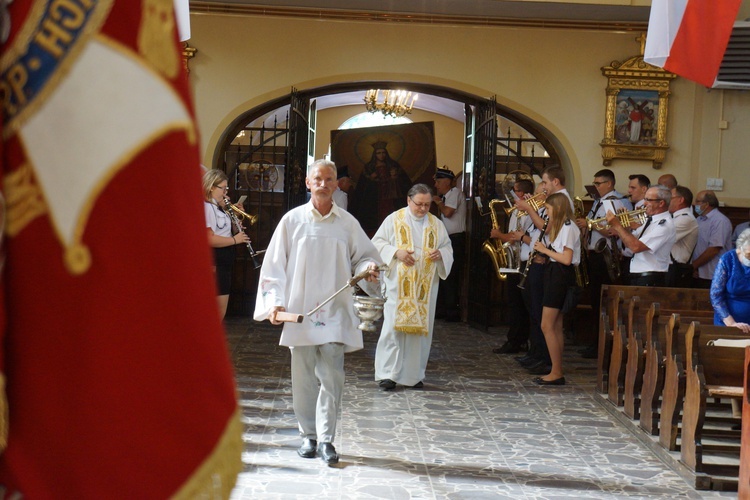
{"points": [[288, 317]]}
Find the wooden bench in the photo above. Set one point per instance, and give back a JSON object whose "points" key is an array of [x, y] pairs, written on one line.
{"points": [[743, 485], [614, 302], [639, 341], [712, 372]]}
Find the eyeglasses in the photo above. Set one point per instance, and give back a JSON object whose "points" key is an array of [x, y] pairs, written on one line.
{"points": [[420, 205], [698, 202], [223, 188], [599, 183], [652, 200]]}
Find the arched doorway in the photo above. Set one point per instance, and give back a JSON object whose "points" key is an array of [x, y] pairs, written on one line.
{"points": [[265, 149]]}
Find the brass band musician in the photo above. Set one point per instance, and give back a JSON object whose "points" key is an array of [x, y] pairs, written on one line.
{"points": [[537, 361], [680, 273], [602, 254], [518, 315], [650, 243]]}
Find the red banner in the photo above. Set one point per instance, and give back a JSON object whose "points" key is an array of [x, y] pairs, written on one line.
{"points": [[118, 378]]}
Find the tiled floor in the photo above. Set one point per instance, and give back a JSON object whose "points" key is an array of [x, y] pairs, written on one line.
{"points": [[479, 429]]}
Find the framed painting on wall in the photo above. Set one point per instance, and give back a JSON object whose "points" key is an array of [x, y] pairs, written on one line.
{"points": [[635, 125], [383, 163]]}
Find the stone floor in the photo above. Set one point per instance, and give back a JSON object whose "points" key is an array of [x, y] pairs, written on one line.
{"points": [[479, 429]]}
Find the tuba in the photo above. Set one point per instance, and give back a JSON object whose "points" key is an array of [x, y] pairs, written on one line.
{"points": [[506, 257]]}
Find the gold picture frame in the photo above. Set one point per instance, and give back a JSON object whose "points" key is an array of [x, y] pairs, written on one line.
{"points": [[635, 126]]}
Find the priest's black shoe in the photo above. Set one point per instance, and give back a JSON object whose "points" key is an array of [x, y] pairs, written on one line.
{"points": [[557, 381], [307, 450], [387, 384], [327, 452]]}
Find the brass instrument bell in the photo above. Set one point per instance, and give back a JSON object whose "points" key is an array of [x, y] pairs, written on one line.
{"points": [[626, 218]]}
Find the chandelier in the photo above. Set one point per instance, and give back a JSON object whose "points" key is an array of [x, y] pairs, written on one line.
{"points": [[395, 103]]}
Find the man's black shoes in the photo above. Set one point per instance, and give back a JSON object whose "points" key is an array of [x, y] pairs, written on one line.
{"points": [[387, 384], [307, 450], [508, 348], [327, 452]]}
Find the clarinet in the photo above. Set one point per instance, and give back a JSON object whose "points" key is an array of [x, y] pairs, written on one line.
{"points": [[238, 225], [532, 254]]}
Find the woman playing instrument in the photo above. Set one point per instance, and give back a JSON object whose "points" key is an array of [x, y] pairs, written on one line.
{"points": [[219, 225], [562, 244], [730, 287]]}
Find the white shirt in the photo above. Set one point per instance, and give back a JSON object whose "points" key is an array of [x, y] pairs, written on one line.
{"points": [[568, 237], [217, 220], [686, 228], [610, 202], [659, 236], [310, 257], [456, 223], [341, 198]]}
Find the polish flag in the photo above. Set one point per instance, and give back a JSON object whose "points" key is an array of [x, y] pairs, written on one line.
{"points": [[689, 37]]}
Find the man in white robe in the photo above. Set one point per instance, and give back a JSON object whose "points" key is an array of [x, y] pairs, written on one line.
{"points": [[314, 250], [415, 246]]}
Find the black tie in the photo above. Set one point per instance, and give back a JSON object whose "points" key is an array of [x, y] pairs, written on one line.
{"points": [[648, 221]]}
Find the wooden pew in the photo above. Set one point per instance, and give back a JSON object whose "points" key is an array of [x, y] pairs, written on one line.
{"points": [[713, 372], [639, 341], [613, 301], [743, 485]]}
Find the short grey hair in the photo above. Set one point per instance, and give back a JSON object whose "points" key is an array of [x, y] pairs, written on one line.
{"points": [[663, 193], [419, 189], [743, 240], [321, 163]]}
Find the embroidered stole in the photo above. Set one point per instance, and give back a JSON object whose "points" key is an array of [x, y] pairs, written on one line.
{"points": [[415, 282]]}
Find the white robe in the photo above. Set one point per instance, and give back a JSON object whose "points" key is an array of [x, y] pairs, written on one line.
{"points": [[308, 259], [399, 356]]}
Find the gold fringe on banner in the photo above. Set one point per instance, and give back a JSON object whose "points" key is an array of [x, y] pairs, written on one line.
{"points": [[217, 475]]}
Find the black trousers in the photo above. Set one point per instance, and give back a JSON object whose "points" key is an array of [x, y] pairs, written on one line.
{"points": [[449, 297], [647, 279], [518, 314], [533, 295], [598, 276]]}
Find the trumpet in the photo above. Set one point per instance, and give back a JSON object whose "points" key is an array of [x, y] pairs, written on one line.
{"points": [[235, 213], [626, 218], [251, 219], [536, 202]]}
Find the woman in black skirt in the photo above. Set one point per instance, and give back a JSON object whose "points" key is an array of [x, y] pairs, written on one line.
{"points": [[562, 244], [220, 237]]}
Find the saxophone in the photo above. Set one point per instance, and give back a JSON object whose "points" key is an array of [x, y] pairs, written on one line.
{"points": [[505, 256], [582, 269]]}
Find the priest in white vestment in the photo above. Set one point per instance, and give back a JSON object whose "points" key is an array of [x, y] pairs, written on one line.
{"points": [[314, 251], [415, 246]]}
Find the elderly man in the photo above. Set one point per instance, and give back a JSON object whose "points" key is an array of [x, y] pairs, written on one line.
{"points": [[650, 243], [680, 272], [450, 203], [316, 248], [714, 238], [415, 246]]}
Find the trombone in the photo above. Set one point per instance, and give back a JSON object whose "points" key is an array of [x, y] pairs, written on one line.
{"points": [[536, 202], [626, 219]]}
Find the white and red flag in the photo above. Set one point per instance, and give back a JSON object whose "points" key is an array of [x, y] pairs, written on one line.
{"points": [[689, 37], [114, 361]]}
